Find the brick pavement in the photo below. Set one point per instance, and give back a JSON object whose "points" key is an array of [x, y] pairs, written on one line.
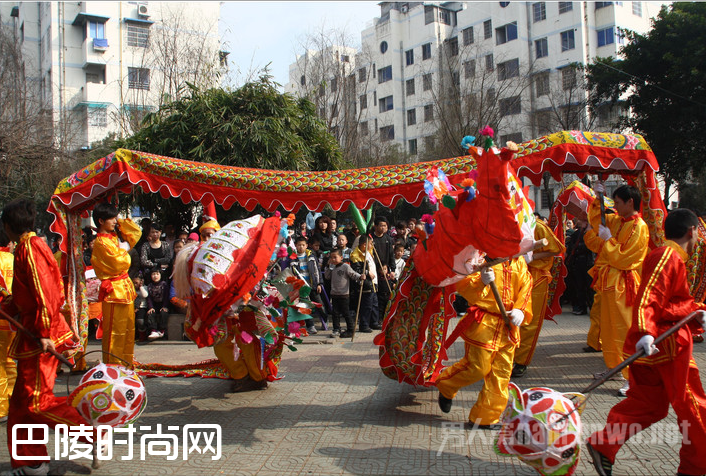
{"points": [[336, 413]]}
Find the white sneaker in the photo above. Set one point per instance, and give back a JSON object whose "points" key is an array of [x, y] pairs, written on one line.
{"points": [[39, 470], [312, 330], [154, 335], [335, 334], [624, 389]]}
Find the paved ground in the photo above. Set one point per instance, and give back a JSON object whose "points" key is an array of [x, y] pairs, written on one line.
{"points": [[336, 413]]}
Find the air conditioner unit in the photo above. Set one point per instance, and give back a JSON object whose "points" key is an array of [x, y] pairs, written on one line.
{"points": [[143, 11]]}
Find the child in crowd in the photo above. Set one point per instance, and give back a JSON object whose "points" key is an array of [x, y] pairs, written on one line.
{"points": [[140, 307], [157, 300], [306, 264], [340, 274], [361, 257], [342, 245], [399, 260]]}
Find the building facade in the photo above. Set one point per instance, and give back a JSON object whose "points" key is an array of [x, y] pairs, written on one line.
{"points": [[430, 73], [98, 67]]}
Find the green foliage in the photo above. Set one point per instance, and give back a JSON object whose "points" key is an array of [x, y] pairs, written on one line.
{"points": [[252, 126], [662, 74]]}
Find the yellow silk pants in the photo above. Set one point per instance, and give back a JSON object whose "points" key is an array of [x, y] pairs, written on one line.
{"points": [[615, 321], [594, 332], [8, 371], [494, 367], [529, 333], [118, 333], [247, 363]]}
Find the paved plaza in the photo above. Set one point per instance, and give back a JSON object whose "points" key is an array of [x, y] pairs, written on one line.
{"points": [[334, 412]]}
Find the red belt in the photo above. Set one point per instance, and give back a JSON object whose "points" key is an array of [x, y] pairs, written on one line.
{"points": [[107, 286]]}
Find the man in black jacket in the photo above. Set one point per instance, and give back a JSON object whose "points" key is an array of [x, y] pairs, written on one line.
{"points": [[385, 265]]}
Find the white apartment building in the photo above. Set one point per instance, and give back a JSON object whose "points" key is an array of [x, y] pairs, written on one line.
{"points": [[430, 71], [100, 66]]}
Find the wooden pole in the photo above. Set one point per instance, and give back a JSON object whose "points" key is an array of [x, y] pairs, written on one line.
{"points": [[360, 294]]}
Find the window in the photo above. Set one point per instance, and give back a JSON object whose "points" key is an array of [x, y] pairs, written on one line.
{"points": [[515, 137], [637, 8], [539, 12], [409, 57], [345, 59], [469, 68], [138, 36], [510, 106], [383, 47], [363, 101], [92, 78], [411, 117], [565, 7], [96, 31], [98, 117], [487, 29], [428, 113], [605, 36], [541, 48], [409, 87], [456, 79], [364, 128], [541, 84], [506, 33], [375, 100], [452, 46], [508, 69], [568, 78], [322, 90], [489, 62], [426, 51], [384, 74], [374, 71], [603, 4], [444, 16], [412, 146], [387, 133], [138, 78], [468, 36], [334, 84], [362, 73], [429, 14], [385, 104], [429, 143], [426, 82], [567, 40], [547, 198]]}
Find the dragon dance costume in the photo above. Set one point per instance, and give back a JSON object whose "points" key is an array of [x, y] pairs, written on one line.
{"points": [[111, 264], [668, 377], [37, 295], [616, 276], [540, 269], [489, 344]]}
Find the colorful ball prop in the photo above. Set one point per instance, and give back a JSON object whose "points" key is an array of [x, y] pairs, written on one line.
{"points": [[542, 427], [109, 394]]}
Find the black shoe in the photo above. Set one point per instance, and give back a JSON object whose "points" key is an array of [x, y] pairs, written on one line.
{"points": [[492, 427], [346, 334], [518, 371], [445, 403], [247, 384], [579, 312], [376, 327], [588, 348], [602, 464], [367, 330]]}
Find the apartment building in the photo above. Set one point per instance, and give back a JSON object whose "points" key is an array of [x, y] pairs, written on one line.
{"points": [[100, 66], [429, 73]]}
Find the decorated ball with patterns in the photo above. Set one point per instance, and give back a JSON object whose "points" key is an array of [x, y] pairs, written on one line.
{"points": [[109, 394], [541, 428]]}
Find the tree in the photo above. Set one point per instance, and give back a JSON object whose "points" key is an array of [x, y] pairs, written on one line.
{"points": [[252, 126], [660, 80]]}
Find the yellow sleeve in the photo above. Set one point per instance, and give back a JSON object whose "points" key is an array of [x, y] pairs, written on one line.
{"points": [[108, 259], [130, 231], [627, 250], [592, 240], [555, 247], [594, 214], [473, 289], [522, 286]]}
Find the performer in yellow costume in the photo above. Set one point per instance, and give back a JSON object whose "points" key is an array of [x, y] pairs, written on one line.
{"points": [[621, 247], [245, 371], [8, 368], [489, 344], [111, 262], [540, 266]]}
